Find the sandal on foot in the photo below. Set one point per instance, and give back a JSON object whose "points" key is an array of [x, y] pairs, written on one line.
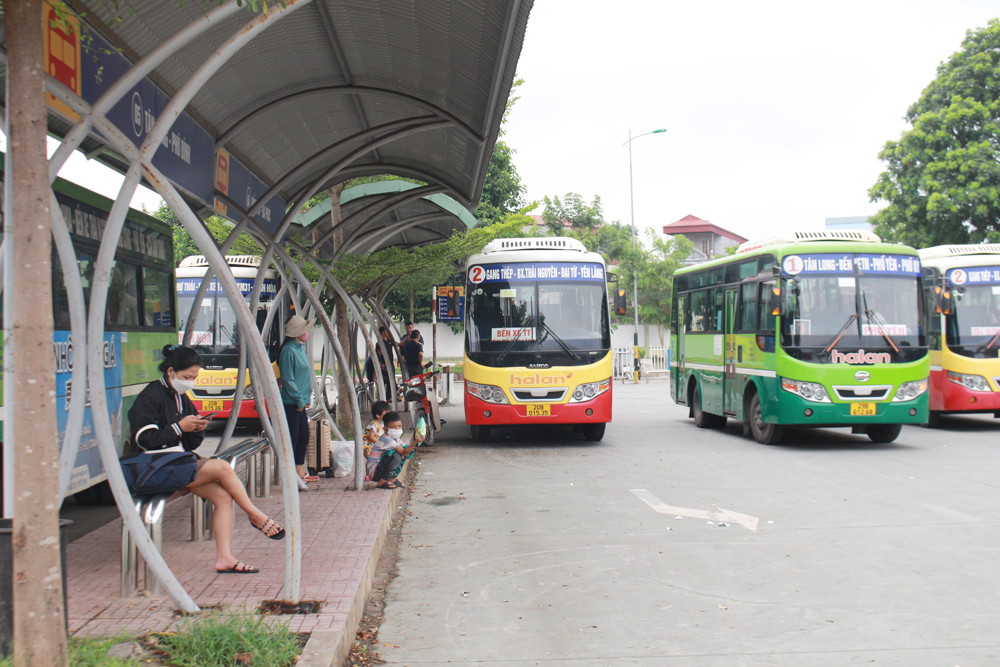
{"points": [[388, 485], [311, 478], [268, 525], [239, 568]]}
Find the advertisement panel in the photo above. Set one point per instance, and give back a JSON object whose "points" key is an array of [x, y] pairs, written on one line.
{"points": [[451, 304]]}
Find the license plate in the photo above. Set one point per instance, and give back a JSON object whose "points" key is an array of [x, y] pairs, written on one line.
{"points": [[217, 406], [538, 410], [862, 409]]}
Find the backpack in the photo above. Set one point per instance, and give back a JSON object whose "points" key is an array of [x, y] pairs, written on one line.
{"points": [[149, 473]]}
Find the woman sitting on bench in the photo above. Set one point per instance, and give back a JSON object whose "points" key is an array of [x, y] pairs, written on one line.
{"points": [[163, 416]]}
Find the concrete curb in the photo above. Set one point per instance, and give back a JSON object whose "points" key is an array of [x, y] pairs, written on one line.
{"points": [[330, 648]]}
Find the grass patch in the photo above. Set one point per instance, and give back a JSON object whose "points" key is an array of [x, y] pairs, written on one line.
{"points": [[217, 639], [87, 652]]}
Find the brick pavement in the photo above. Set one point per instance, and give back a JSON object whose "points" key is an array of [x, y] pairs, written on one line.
{"points": [[343, 532]]}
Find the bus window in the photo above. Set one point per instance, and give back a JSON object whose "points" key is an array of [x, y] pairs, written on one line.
{"points": [[766, 265], [748, 269], [60, 301], [713, 309], [123, 297], [698, 307], [747, 320], [767, 319], [158, 287]]}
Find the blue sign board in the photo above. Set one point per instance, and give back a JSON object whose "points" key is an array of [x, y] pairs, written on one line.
{"points": [[450, 304], [975, 275], [189, 287], [502, 273], [834, 263]]}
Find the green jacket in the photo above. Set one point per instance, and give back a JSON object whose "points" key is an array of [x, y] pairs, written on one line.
{"points": [[296, 375]]}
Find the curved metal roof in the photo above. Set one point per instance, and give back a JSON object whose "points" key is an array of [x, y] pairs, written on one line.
{"points": [[425, 81]]}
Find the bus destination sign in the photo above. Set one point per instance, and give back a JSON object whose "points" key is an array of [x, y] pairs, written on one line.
{"points": [[975, 275], [889, 265], [497, 273]]}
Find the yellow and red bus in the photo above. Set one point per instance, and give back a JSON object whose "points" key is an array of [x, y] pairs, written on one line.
{"points": [[537, 337], [964, 340], [216, 332]]}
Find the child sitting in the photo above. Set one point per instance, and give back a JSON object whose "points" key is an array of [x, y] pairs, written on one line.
{"points": [[375, 429], [386, 457]]}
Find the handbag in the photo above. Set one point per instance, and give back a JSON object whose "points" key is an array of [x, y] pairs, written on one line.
{"points": [[164, 471]]}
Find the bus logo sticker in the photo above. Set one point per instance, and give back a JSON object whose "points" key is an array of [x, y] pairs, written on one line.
{"points": [[862, 376], [958, 277], [860, 357], [793, 265]]}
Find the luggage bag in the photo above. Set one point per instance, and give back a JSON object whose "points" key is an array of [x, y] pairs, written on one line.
{"points": [[318, 455]]}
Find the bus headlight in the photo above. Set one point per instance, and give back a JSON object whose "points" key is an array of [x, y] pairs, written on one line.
{"points": [[486, 392], [973, 382], [585, 392], [910, 390], [248, 392], [810, 391]]}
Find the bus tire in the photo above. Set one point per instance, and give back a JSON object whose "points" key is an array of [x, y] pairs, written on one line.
{"points": [[480, 433], [593, 432], [883, 432], [933, 419], [704, 419], [764, 433]]}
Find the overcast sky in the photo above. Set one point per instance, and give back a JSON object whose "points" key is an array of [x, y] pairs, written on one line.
{"points": [[775, 112]]}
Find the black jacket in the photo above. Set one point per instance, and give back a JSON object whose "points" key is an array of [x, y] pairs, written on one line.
{"points": [[160, 405]]}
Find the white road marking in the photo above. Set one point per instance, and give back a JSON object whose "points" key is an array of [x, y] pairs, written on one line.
{"points": [[721, 515]]}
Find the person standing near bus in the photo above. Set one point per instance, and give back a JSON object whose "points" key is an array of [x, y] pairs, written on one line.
{"points": [[296, 388], [413, 354], [406, 338], [163, 417]]}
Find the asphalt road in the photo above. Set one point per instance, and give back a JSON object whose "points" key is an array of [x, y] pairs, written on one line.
{"points": [[542, 549]]}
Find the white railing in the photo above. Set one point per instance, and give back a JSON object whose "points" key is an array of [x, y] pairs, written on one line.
{"points": [[622, 363], [659, 357]]}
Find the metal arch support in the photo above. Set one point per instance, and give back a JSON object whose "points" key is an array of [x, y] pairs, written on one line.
{"points": [[389, 205], [343, 162], [383, 234], [361, 170], [99, 406], [350, 90], [206, 279], [359, 136], [375, 209], [259, 359]]}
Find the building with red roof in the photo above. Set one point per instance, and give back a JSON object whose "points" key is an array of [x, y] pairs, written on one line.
{"points": [[709, 239]]}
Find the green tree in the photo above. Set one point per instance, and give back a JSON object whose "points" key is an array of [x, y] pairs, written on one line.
{"points": [[574, 210], [502, 190], [942, 177], [184, 245]]}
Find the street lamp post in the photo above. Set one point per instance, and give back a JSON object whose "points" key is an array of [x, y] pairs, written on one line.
{"points": [[635, 267]]}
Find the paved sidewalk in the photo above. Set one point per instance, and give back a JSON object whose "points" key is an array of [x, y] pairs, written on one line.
{"points": [[343, 533]]}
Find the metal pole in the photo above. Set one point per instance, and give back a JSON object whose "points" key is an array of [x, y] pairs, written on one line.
{"points": [[635, 269], [434, 334]]}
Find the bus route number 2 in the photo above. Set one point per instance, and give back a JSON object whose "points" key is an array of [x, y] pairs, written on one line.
{"points": [[476, 274]]}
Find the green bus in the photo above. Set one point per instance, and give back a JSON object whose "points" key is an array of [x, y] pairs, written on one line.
{"points": [[802, 329], [140, 319]]}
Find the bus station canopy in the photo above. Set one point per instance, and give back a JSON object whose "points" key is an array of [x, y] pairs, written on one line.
{"points": [[335, 89]]}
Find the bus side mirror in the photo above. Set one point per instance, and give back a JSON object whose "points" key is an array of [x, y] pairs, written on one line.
{"points": [[942, 300], [774, 301], [621, 303]]}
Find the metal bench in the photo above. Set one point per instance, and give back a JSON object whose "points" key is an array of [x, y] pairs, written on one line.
{"points": [[646, 369], [152, 509]]}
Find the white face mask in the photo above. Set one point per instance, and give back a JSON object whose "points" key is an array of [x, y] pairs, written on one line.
{"points": [[395, 432], [181, 386]]}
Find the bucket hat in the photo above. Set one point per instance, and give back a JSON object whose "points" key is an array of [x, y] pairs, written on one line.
{"points": [[296, 326]]}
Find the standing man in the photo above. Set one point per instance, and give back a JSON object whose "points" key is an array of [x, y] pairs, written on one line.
{"points": [[388, 366], [413, 354], [409, 330]]}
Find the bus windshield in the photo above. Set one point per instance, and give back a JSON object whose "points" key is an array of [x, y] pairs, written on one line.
{"points": [[879, 312], [973, 329], [216, 331], [521, 323]]}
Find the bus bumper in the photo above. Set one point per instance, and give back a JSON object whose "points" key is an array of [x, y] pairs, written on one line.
{"points": [[248, 409], [561, 413], [954, 397], [792, 410]]}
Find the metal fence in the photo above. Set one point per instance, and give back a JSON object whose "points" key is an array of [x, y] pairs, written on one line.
{"points": [[622, 363], [660, 358]]}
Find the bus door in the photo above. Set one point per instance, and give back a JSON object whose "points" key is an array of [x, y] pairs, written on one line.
{"points": [[730, 389], [682, 396]]}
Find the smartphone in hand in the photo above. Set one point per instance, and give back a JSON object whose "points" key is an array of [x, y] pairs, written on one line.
{"points": [[208, 416]]}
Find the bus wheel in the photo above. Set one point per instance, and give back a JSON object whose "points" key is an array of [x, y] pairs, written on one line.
{"points": [[933, 419], [593, 432], [480, 433], [701, 418], [765, 434], [883, 432]]}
